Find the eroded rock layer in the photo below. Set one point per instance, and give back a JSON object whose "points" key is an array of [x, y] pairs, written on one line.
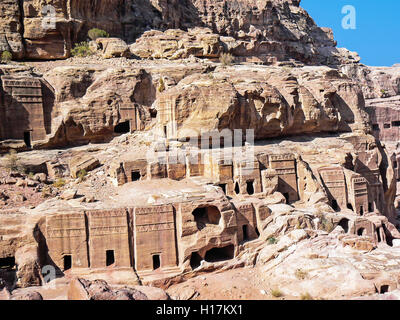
{"points": [[263, 30]]}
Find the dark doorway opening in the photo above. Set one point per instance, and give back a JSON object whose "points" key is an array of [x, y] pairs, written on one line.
{"points": [[135, 175], [206, 215], [335, 205], [153, 113], [245, 232], [110, 258], [165, 131], [388, 235], [220, 254], [349, 206], [123, 127], [67, 262], [378, 233], [156, 262], [370, 207], [7, 263], [237, 188], [344, 223], [375, 127], [396, 124], [250, 187], [360, 232], [195, 260], [286, 195], [223, 187], [361, 210], [384, 289], [28, 139]]}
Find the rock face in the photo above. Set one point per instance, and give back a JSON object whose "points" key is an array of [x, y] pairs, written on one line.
{"points": [[381, 87], [91, 102], [152, 201], [177, 44], [273, 102], [80, 289], [265, 30]]}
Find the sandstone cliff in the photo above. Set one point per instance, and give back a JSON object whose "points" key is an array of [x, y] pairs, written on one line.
{"points": [[265, 30]]}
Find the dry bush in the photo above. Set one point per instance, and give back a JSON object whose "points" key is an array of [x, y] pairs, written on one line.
{"points": [[276, 293], [301, 274], [226, 59], [306, 296]]}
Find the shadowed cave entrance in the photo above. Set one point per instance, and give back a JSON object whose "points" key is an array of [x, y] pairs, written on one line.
{"points": [[250, 187], [344, 223], [220, 254], [361, 232], [384, 289], [195, 260], [28, 139], [123, 127], [206, 215], [7, 263], [135, 175], [335, 205], [245, 232], [237, 188]]}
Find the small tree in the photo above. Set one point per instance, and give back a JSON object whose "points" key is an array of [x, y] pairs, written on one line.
{"points": [[95, 33], [81, 49], [6, 56]]}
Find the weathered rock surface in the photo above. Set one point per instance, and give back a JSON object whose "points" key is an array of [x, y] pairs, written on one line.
{"points": [[267, 31], [314, 212], [273, 102], [81, 289], [177, 44]]}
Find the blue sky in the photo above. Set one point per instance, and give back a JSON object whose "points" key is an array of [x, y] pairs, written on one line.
{"points": [[377, 34]]}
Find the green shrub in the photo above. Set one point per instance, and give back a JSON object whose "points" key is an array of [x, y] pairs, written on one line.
{"points": [[81, 49], [327, 225], [226, 59], [161, 85], [272, 240], [6, 56], [95, 33], [81, 175], [59, 183]]}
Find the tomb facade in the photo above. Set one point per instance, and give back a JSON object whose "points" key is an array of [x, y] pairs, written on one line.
{"points": [[154, 238], [359, 195], [66, 240], [335, 184], [22, 113], [108, 238], [285, 166]]}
